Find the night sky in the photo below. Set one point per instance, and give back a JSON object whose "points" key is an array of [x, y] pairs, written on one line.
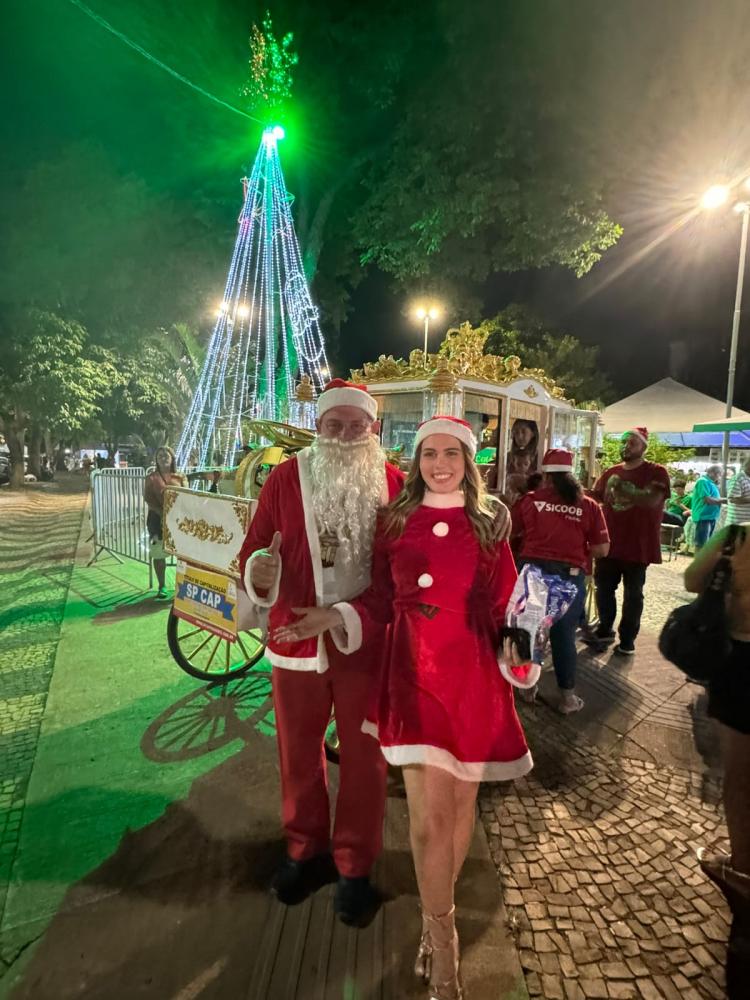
{"points": [[662, 94]]}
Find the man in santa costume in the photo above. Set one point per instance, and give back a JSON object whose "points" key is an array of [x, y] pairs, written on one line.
{"points": [[310, 544]]}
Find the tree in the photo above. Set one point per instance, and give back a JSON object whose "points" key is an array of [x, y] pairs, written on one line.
{"points": [[574, 366], [84, 241], [424, 150], [143, 397], [47, 382], [478, 176]]}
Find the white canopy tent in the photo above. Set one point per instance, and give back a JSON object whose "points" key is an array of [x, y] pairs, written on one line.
{"points": [[666, 407]]}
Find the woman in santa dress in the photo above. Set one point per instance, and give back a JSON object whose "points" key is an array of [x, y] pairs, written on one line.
{"points": [[442, 576]]}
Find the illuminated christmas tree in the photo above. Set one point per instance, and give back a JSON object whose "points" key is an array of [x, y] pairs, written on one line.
{"points": [[267, 335]]}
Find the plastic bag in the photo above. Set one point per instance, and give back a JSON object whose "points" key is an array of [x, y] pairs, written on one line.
{"points": [[538, 600]]}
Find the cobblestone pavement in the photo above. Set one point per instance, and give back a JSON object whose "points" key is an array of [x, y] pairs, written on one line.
{"points": [[38, 533], [596, 847]]}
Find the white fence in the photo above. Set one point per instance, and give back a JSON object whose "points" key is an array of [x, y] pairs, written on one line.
{"points": [[118, 513]]}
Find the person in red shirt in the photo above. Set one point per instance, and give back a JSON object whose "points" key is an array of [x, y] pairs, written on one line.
{"points": [[559, 529], [632, 496]]}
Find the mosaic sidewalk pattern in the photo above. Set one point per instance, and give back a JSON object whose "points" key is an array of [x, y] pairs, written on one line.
{"points": [[38, 535], [596, 851], [597, 859]]}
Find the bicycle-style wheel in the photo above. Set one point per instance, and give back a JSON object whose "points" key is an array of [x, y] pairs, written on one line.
{"points": [[210, 657]]}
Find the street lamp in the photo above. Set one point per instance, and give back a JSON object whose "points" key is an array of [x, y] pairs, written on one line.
{"points": [[427, 313], [713, 198]]}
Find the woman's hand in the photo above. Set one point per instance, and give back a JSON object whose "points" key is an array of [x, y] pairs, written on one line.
{"points": [[510, 653], [311, 622]]}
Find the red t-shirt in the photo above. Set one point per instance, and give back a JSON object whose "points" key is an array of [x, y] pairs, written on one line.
{"points": [[634, 531], [551, 528]]}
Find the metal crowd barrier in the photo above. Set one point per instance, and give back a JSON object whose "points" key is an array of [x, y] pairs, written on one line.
{"points": [[118, 514]]}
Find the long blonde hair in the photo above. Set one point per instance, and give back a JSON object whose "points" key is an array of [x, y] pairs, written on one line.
{"points": [[481, 508]]}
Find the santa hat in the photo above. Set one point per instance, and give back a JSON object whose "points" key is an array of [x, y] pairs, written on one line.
{"points": [[454, 426], [639, 432], [557, 460], [338, 392]]}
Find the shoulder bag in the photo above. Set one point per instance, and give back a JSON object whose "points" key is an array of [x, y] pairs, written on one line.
{"points": [[696, 636]]}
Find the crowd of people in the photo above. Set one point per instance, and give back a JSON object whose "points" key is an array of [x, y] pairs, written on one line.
{"points": [[385, 600]]}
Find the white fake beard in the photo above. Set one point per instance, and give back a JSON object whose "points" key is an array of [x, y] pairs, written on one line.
{"points": [[348, 484]]}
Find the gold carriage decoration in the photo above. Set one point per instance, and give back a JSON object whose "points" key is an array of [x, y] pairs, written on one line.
{"points": [[462, 355], [285, 441], [494, 394]]}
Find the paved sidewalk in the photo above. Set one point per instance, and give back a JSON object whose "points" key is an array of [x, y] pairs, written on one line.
{"points": [[39, 530], [150, 828], [596, 848]]}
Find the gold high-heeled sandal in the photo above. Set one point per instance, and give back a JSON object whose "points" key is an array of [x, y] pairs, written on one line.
{"points": [[423, 961], [441, 928]]}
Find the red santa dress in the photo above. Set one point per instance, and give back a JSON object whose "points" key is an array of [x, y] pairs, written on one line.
{"points": [[312, 678], [442, 699]]}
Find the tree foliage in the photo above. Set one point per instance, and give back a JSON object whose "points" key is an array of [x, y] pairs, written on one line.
{"points": [[478, 177], [574, 366], [144, 397], [48, 382], [83, 240]]}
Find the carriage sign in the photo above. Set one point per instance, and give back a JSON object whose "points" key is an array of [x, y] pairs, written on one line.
{"points": [[208, 600]]}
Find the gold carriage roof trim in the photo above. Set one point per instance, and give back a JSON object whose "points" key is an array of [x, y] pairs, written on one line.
{"points": [[462, 355]]}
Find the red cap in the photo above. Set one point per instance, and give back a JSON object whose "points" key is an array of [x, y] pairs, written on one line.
{"points": [[639, 432], [557, 460], [454, 426], [339, 392]]}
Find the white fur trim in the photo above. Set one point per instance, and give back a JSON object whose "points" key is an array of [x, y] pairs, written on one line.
{"points": [[636, 433], [532, 678], [437, 425], [424, 753], [311, 527], [270, 599], [347, 395], [347, 639], [311, 664], [557, 468]]}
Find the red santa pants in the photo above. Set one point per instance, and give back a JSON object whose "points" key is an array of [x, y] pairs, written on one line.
{"points": [[303, 701]]}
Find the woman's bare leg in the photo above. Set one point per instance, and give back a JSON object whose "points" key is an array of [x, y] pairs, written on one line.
{"points": [[160, 567], [432, 828], [465, 798], [432, 797]]}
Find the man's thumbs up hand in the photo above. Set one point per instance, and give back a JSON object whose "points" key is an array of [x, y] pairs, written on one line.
{"points": [[265, 566]]}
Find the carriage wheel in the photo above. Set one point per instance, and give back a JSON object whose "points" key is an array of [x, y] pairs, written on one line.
{"points": [[209, 657]]}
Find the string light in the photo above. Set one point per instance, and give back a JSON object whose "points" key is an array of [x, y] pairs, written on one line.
{"points": [[157, 62], [267, 333]]}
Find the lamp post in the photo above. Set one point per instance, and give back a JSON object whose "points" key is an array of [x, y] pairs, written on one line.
{"points": [[713, 198], [426, 313]]}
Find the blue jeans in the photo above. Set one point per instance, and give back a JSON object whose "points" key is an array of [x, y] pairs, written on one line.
{"points": [[703, 531], [562, 635]]}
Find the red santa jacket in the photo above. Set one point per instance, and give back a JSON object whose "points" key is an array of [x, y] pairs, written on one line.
{"points": [[285, 505]]}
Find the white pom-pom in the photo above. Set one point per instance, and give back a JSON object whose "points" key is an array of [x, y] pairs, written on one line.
{"points": [[425, 580], [440, 529]]}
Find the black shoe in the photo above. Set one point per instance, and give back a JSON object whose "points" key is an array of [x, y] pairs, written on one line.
{"points": [[624, 648], [355, 900], [294, 881], [599, 643]]}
